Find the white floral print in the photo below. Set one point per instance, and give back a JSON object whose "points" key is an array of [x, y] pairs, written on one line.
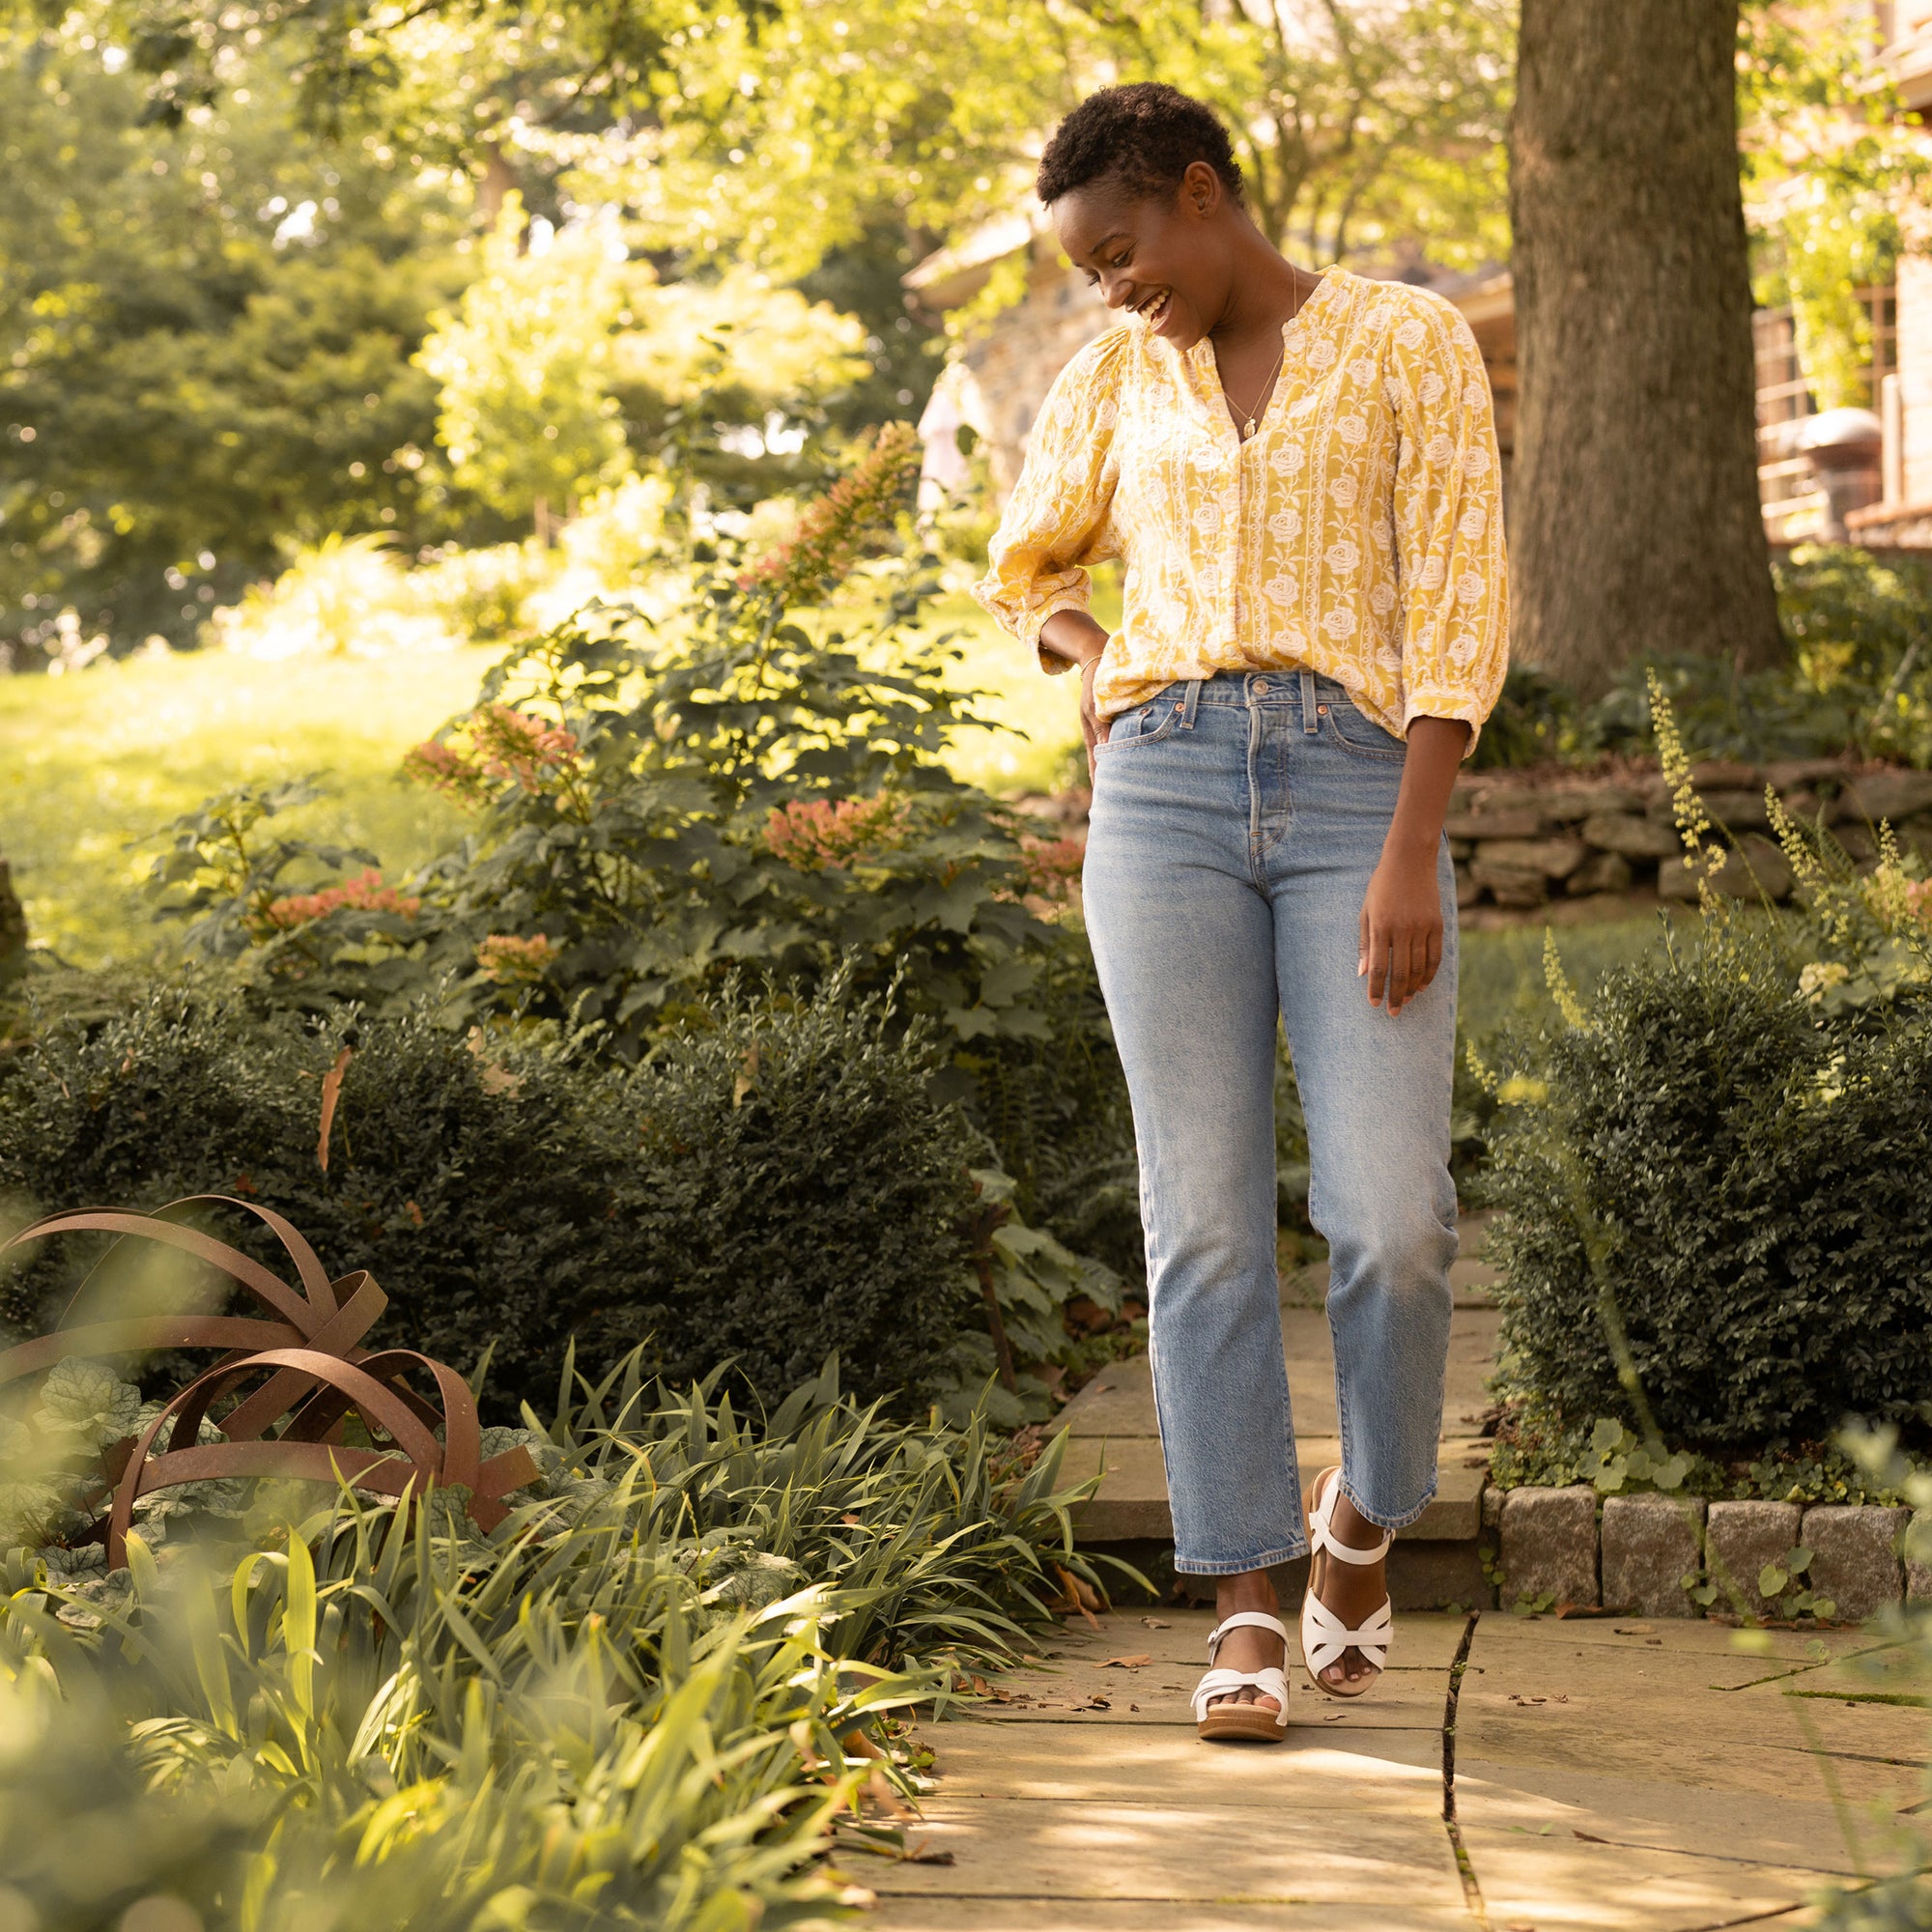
{"points": [[1356, 533]]}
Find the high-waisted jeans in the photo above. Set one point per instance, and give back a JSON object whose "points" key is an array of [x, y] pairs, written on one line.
{"points": [[1236, 821]]}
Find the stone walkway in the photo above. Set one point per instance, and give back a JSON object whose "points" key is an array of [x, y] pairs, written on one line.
{"points": [[1607, 1775]]}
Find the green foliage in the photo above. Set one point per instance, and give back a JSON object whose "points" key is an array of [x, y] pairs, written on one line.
{"points": [[1358, 126], [228, 876], [524, 408], [1857, 679], [1828, 160], [204, 334], [780, 1183], [635, 1701], [1711, 1174], [775, 1183], [796, 1192], [660, 807]]}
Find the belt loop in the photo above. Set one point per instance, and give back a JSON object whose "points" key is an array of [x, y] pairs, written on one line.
{"points": [[1190, 704], [1309, 727]]}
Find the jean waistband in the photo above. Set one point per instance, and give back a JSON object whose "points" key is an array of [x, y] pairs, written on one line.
{"points": [[1292, 687]]}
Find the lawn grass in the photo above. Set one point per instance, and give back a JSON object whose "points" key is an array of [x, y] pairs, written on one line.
{"points": [[1037, 750], [93, 762], [1501, 972]]}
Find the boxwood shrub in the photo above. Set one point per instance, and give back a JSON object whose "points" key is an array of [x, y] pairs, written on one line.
{"points": [[780, 1183], [1752, 1174]]}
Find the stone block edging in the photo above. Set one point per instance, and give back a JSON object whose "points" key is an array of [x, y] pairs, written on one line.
{"points": [[1632, 1553]]}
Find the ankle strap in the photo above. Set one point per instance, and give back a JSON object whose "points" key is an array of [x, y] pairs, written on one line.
{"points": [[1245, 1620], [1322, 1537]]}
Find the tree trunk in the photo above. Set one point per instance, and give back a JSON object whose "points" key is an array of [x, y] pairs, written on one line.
{"points": [[12, 927], [1635, 525]]}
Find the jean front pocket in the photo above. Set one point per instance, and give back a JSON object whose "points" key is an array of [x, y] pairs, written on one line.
{"points": [[1145, 725], [1359, 734]]}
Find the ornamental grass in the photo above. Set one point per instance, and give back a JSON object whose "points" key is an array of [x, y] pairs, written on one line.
{"points": [[663, 1692]]}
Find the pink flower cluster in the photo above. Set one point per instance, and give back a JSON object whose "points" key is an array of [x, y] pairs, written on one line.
{"points": [[813, 833], [504, 745], [1053, 866], [366, 892], [508, 960], [835, 527], [1918, 896]]}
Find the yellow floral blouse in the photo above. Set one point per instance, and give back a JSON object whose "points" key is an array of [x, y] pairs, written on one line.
{"points": [[1358, 532]]}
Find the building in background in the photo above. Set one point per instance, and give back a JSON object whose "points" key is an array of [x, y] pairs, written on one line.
{"points": [[1901, 515]]}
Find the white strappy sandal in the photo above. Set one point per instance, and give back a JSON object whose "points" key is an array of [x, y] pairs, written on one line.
{"points": [[1221, 1721], [1325, 1636]]}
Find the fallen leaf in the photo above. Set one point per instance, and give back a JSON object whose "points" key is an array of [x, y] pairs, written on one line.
{"points": [[1156, 1624], [1590, 1838], [854, 1521], [1081, 1597], [1133, 1707], [1633, 1629], [1133, 1663], [1096, 1704], [924, 1854]]}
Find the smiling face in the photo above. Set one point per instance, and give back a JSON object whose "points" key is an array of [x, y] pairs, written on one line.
{"points": [[1168, 260]]}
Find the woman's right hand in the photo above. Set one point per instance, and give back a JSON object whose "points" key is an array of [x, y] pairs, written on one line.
{"points": [[1092, 727], [1074, 637]]}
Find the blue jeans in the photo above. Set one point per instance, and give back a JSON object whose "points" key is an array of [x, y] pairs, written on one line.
{"points": [[1236, 821]]}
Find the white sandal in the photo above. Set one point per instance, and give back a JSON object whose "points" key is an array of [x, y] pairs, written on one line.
{"points": [[1325, 1636], [1250, 1722]]}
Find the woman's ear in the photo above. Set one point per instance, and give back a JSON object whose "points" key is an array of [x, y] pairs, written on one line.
{"points": [[1201, 189]]}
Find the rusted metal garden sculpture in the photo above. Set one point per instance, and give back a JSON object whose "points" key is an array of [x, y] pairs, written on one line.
{"points": [[313, 1376]]}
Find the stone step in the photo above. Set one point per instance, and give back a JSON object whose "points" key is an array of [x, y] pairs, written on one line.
{"points": [[1116, 1435]]}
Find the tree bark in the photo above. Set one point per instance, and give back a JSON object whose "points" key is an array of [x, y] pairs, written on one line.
{"points": [[12, 927], [1634, 525]]}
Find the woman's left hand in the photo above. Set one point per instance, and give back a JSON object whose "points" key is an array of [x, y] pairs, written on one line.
{"points": [[1402, 928]]}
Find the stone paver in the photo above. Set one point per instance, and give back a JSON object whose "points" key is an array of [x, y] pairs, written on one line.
{"points": [[1612, 1775], [1740, 1539], [1550, 1545], [1650, 1545], [1854, 1558]]}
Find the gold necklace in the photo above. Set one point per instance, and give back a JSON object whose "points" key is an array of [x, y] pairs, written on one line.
{"points": [[1248, 429]]}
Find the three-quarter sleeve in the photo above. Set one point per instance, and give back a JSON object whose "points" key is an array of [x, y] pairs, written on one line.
{"points": [[1057, 523], [1453, 569]]}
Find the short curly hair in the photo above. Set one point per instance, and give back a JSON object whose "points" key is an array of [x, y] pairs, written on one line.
{"points": [[1144, 137]]}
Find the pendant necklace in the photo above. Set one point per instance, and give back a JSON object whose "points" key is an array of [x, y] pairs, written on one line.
{"points": [[1248, 429]]}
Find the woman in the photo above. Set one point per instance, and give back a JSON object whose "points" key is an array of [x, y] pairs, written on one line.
{"points": [[1300, 475]]}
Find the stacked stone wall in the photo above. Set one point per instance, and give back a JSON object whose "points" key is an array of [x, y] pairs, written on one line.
{"points": [[1522, 840]]}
